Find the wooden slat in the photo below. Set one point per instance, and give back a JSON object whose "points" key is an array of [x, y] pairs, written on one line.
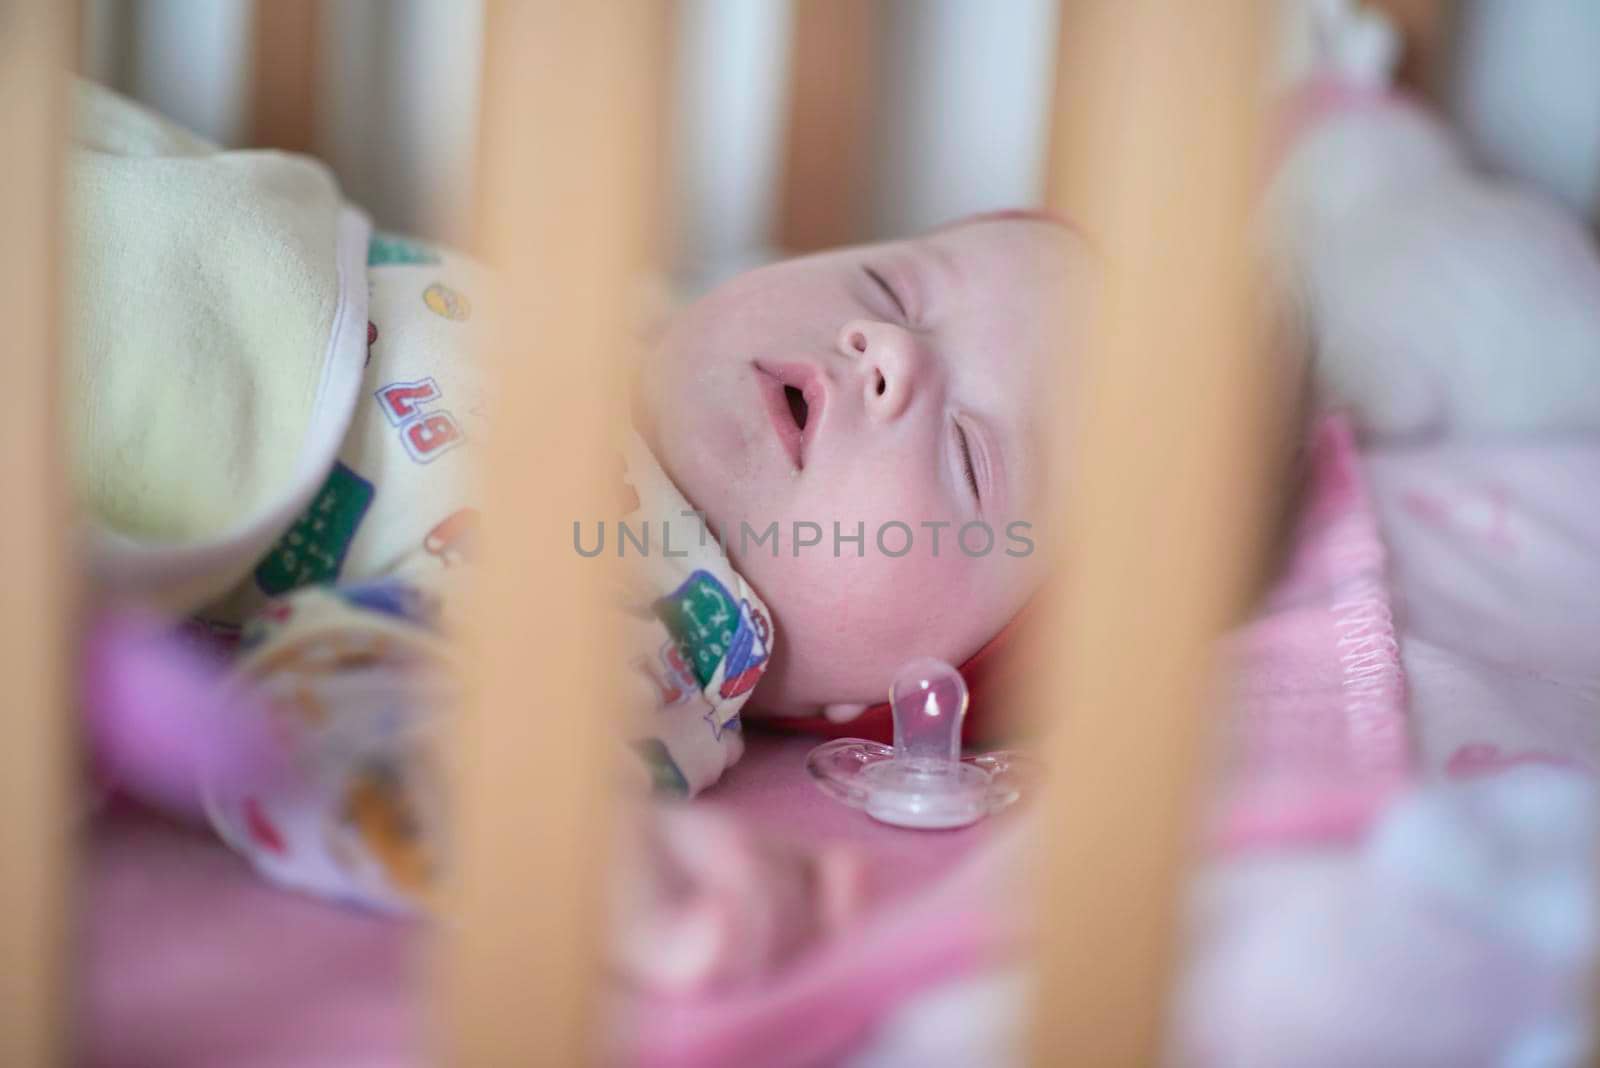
{"points": [[834, 85], [34, 713], [567, 176], [1158, 136], [283, 76]]}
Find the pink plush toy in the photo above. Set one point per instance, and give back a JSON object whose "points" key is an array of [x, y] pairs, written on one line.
{"points": [[154, 723]]}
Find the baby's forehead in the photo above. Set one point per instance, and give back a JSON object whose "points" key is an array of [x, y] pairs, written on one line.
{"points": [[1012, 228], [1007, 244]]}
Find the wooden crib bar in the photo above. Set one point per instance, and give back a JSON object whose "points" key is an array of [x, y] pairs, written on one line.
{"points": [[567, 168], [35, 608], [835, 86], [283, 77], [1157, 127]]}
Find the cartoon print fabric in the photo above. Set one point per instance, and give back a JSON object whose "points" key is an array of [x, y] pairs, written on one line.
{"points": [[352, 679], [697, 636], [403, 468], [344, 620]]}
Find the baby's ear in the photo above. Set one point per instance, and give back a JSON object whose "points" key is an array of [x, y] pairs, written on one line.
{"points": [[842, 713], [653, 304]]}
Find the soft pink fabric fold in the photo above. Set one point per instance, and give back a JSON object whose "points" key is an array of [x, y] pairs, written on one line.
{"points": [[1319, 738], [1317, 744]]}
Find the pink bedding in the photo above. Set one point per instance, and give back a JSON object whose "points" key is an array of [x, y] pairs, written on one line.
{"points": [[1319, 744], [189, 959], [1461, 930]]}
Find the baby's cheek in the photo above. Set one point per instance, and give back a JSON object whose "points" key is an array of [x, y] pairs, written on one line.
{"points": [[713, 469]]}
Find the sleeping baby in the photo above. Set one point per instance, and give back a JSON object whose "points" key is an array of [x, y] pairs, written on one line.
{"points": [[834, 468]]}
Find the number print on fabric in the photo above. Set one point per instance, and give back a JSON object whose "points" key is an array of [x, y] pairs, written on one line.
{"points": [[426, 435], [400, 401]]}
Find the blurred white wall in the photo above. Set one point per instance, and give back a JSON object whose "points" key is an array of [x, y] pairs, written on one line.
{"points": [[967, 92], [400, 83], [967, 84], [732, 83], [1527, 92], [960, 127], [185, 58]]}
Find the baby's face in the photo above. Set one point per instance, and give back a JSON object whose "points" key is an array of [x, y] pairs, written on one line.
{"points": [[898, 391]]}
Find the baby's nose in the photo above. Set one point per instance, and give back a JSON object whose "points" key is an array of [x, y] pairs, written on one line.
{"points": [[892, 366]]}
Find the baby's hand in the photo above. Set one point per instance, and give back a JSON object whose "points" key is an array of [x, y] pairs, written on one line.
{"points": [[700, 902]]}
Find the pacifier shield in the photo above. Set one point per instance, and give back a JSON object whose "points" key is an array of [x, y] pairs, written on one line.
{"points": [[921, 781]]}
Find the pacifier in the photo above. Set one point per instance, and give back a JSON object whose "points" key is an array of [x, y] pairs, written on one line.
{"points": [[921, 782]]}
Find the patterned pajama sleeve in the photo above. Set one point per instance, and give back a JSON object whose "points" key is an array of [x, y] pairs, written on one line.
{"points": [[345, 620]]}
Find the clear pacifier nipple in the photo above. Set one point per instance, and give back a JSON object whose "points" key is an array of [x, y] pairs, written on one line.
{"points": [[922, 781]]}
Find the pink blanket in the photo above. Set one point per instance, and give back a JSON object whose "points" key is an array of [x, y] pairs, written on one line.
{"points": [[1318, 744], [1461, 929], [190, 960], [1319, 739]]}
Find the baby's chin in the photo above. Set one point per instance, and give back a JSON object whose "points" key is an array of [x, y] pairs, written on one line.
{"points": [[796, 684], [783, 692]]}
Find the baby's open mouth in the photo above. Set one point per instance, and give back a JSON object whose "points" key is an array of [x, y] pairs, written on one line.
{"points": [[798, 408], [793, 395]]}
